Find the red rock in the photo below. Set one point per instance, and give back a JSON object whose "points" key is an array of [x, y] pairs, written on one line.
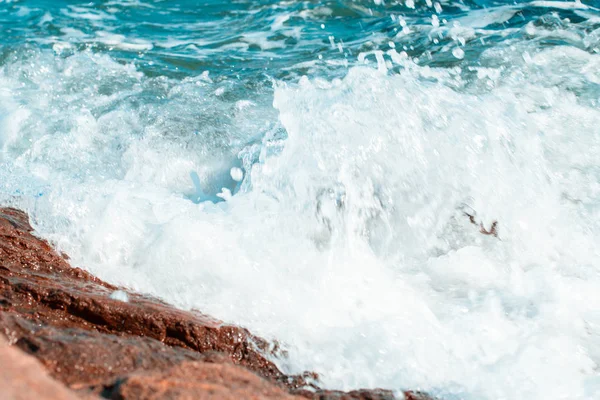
{"points": [[65, 318], [493, 231], [196, 380], [410, 395], [24, 378], [371, 394], [37, 284]]}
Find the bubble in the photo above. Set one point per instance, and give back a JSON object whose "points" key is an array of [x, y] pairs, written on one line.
{"points": [[236, 174], [458, 53]]}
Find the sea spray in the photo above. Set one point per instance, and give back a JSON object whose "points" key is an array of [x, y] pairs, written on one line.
{"points": [[319, 194]]}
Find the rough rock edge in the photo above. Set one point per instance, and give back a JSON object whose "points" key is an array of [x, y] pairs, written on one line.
{"points": [[96, 345]]}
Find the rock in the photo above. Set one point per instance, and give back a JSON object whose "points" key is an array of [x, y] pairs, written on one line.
{"points": [[97, 344], [493, 231], [38, 285], [196, 380], [372, 394], [24, 378]]}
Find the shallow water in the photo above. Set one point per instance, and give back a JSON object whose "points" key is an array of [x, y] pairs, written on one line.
{"points": [[304, 169]]}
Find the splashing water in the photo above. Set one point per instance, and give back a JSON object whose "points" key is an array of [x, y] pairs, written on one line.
{"points": [[305, 169]]}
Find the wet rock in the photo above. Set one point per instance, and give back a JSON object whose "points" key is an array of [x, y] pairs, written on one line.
{"points": [[100, 345], [410, 395], [24, 378], [84, 359], [196, 380], [373, 394], [38, 285]]}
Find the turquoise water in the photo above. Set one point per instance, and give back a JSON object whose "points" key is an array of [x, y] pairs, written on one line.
{"points": [[303, 168], [266, 40]]}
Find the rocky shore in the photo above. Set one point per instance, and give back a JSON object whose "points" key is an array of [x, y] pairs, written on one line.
{"points": [[65, 334]]}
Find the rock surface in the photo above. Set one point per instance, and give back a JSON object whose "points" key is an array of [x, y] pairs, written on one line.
{"points": [[196, 380], [23, 377], [139, 349]]}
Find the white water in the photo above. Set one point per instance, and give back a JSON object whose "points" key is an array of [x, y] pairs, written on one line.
{"points": [[347, 240]]}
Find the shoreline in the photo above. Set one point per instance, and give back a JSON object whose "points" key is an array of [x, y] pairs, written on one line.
{"points": [[94, 341]]}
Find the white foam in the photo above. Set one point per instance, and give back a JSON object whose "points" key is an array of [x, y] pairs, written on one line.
{"points": [[565, 5], [488, 16], [130, 3], [351, 247], [459, 53], [47, 17], [261, 39], [87, 13], [120, 41], [120, 295], [23, 11]]}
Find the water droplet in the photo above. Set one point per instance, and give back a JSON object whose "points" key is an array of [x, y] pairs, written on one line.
{"points": [[237, 174], [458, 53]]}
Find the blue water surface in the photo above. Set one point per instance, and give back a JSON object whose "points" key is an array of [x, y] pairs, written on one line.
{"points": [[253, 40]]}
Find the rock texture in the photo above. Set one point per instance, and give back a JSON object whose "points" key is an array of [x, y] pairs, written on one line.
{"points": [[23, 377], [140, 349], [196, 380]]}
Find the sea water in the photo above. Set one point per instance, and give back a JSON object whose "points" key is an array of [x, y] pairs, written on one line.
{"points": [[305, 169]]}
